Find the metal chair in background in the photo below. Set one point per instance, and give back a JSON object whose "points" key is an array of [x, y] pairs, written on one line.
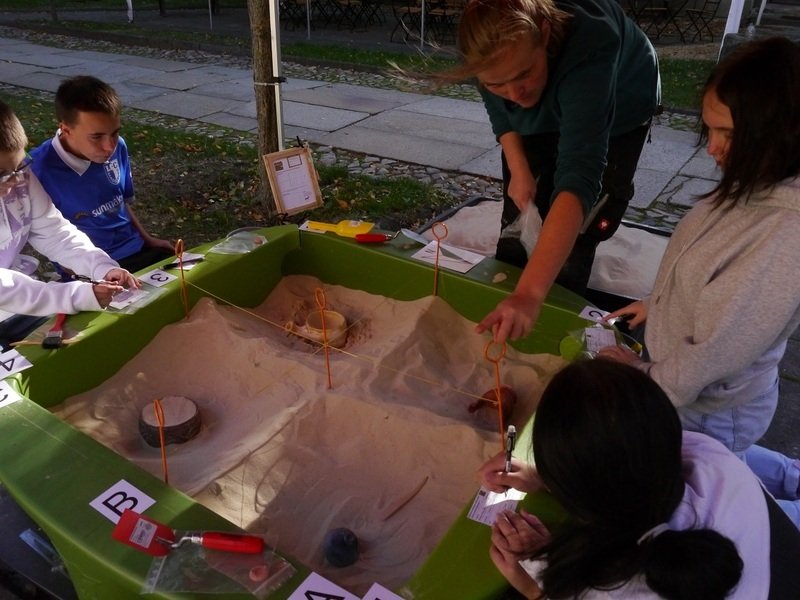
{"points": [[441, 19], [658, 17], [358, 14], [408, 16], [701, 17], [292, 13]]}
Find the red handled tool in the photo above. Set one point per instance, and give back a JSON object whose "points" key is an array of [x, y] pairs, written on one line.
{"points": [[217, 540], [157, 539], [375, 238]]}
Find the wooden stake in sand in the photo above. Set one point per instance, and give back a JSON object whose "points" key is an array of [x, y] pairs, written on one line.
{"points": [[319, 296], [184, 289], [496, 358], [393, 509], [439, 231]]}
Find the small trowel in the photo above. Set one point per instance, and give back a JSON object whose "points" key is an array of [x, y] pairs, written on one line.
{"points": [[157, 539]]}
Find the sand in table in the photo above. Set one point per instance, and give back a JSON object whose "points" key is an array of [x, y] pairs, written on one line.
{"points": [[280, 453]]}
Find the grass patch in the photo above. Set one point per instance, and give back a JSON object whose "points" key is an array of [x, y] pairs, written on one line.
{"points": [[368, 58], [681, 81]]}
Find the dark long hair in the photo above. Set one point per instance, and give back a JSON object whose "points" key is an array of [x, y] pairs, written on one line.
{"points": [[607, 444], [760, 83]]}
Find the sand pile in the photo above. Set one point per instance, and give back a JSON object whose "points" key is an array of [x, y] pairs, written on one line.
{"points": [[280, 453]]}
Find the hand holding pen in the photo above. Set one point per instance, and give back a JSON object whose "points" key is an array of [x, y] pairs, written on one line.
{"points": [[104, 290], [511, 439], [87, 279], [503, 471]]}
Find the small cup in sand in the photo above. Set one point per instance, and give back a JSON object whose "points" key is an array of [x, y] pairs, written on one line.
{"points": [[335, 328]]}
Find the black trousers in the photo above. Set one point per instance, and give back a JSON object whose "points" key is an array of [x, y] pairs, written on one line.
{"points": [[541, 151], [784, 551], [16, 328], [144, 258]]}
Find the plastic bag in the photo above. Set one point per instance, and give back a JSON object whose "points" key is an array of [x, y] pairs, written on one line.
{"points": [[239, 242], [192, 568], [586, 342], [526, 228]]}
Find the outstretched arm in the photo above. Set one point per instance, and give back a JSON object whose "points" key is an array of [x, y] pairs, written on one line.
{"points": [[515, 316]]}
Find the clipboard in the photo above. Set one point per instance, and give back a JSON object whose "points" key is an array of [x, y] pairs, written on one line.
{"points": [[293, 180]]}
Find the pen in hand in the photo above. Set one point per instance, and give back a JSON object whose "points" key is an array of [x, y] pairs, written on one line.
{"points": [[87, 279], [188, 261], [511, 438]]}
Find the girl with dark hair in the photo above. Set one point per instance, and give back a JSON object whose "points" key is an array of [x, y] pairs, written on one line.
{"points": [[727, 294], [654, 512]]}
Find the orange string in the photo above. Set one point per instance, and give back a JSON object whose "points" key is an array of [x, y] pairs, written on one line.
{"points": [[184, 288], [498, 398], [319, 296], [439, 237], [160, 418]]}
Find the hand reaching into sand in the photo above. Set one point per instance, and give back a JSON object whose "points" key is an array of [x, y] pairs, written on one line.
{"points": [[512, 319]]}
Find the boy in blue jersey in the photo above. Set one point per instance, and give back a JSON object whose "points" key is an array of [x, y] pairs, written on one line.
{"points": [[28, 217], [85, 170]]}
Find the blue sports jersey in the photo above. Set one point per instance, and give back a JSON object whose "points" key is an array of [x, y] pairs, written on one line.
{"points": [[91, 195]]}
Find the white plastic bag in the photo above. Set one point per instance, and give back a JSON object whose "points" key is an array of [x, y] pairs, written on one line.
{"points": [[526, 228]]}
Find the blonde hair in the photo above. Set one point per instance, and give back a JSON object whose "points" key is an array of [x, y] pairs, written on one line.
{"points": [[488, 25], [12, 134]]}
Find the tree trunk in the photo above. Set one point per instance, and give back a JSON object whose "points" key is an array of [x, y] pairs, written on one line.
{"points": [[162, 8], [265, 80], [53, 11]]}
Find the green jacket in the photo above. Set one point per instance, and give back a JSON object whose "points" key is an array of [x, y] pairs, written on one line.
{"points": [[603, 82]]}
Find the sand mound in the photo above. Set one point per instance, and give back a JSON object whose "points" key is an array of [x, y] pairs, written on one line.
{"points": [[281, 453]]}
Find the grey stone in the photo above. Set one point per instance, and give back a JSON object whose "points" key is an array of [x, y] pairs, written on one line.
{"points": [[328, 159], [487, 164], [236, 122], [110, 72], [449, 107], [38, 80], [16, 73], [241, 89], [48, 58], [184, 104], [181, 80], [321, 117], [701, 165], [403, 147], [299, 84], [291, 132], [666, 153], [344, 97], [434, 127], [158, 64], [648, 185]]}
